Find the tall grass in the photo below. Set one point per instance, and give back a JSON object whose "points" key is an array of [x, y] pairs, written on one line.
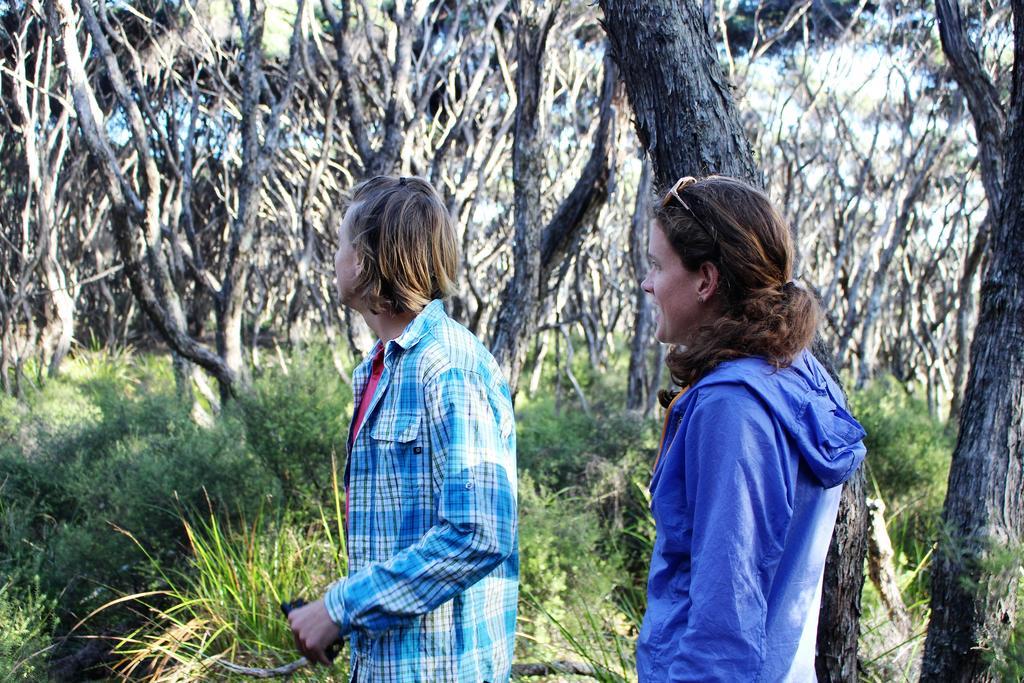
{"points": [[599, 634], [224, 605]]}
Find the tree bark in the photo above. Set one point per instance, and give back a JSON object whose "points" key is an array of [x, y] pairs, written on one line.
{"points": [[516, 322], [982, 96], [974, 600], [686, 117], [839, 615], [688, 121]]}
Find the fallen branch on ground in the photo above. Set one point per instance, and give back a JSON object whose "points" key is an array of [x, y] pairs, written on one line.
{"points": [[518, 670]]}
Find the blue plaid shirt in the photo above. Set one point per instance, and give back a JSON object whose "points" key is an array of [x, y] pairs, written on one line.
{"points": [[433, 549]]}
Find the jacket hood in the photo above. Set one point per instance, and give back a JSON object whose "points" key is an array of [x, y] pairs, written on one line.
{"points": [[809, 406]]}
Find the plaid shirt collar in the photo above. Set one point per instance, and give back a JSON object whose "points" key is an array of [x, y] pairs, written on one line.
{"points": [[431, 314]]}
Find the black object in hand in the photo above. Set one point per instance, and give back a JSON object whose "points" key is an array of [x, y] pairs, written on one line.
{"points": [[287, 607], [333, 649]]}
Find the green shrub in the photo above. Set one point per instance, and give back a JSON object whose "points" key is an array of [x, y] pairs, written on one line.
{"points": [[561, 547], [909, 452], [10, 417], [125, 458], [907, 466], [563, 448], [295, 420], [26, 621], [568, 576], [585, 526], [605, 457]]}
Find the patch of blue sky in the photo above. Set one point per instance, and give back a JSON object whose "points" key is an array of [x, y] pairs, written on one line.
{"points": [[117, 129]]}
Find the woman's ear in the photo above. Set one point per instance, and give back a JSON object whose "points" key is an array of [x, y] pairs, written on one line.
{"points": [[708, 284]]}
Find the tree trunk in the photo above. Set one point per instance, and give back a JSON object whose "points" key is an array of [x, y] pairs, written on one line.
{"points": [[688, 121], [686, 117], [516, 320], [45, 139], [965, 312], [974, 591], [260, 134], [640, 344], [537, 251], [230, 300], [839, 615], [130, 214]]}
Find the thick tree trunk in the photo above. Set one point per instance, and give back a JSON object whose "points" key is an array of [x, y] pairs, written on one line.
{"points": [[839, 616], [974, 603], [686, 117], [688, 121]]}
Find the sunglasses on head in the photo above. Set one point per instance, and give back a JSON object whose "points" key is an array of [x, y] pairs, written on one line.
{"points": [[674, 193]]}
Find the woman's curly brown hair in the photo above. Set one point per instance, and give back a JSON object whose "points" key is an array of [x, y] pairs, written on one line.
{"points": [[735, 227]]}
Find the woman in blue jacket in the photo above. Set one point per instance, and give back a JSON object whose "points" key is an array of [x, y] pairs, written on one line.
{"points": [[756, 444]]}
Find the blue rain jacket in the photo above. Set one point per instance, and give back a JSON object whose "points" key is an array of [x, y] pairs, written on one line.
{"points": [[744, 497]]}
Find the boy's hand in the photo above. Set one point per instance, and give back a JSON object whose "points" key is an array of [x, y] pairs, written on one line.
{"points": [[313, 630]]}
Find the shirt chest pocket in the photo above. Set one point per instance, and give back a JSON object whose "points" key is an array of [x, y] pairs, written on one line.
{"points": [[396, 436], [402, 485]]}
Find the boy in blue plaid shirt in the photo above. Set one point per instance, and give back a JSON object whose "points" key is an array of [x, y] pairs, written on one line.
{"points": [[431, 473]]}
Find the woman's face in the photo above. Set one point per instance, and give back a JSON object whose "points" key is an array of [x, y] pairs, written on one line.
{"points": [[674, 289]]}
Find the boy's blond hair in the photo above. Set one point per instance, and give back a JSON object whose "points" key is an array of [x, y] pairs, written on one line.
{"points": [[405, 242]]}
